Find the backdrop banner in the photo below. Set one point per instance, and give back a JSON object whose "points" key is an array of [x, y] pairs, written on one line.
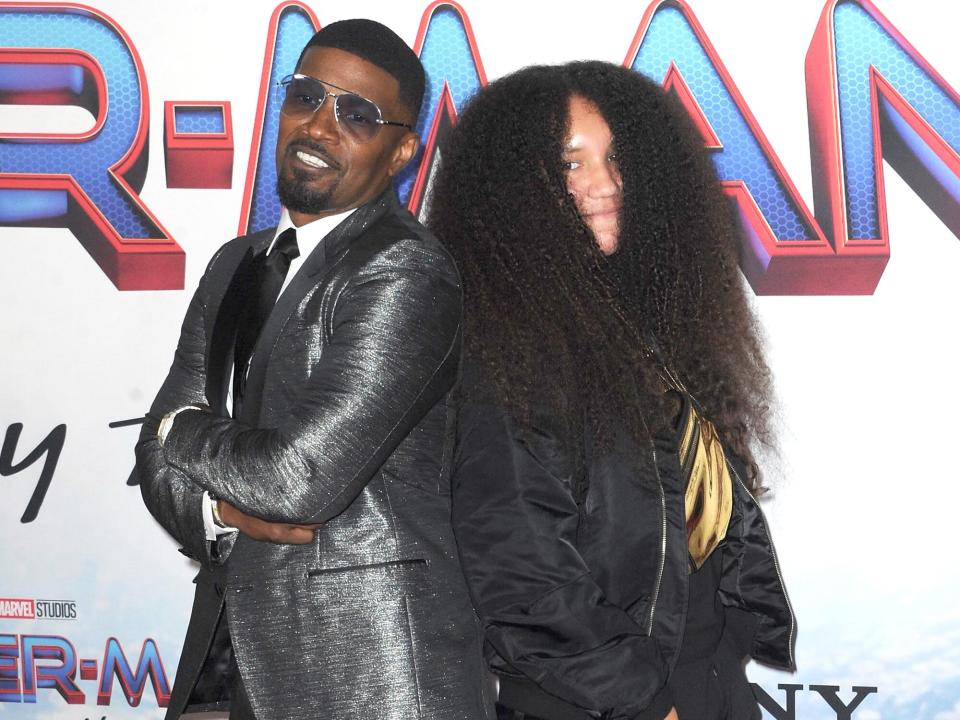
{"points": [[136, 137]]}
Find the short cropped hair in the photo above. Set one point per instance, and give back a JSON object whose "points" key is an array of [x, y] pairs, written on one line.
{"points": [[381, 46]]}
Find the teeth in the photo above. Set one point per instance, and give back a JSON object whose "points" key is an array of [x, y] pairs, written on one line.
{"points": [[311, 160]]}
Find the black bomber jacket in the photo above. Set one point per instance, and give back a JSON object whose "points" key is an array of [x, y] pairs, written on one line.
{"points": [[582, 588]]}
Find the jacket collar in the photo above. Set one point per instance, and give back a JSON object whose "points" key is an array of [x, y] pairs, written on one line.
{"points": [[230, 279]]}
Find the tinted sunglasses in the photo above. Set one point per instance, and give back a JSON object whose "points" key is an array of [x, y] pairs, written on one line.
{"points": [[301, 96]]}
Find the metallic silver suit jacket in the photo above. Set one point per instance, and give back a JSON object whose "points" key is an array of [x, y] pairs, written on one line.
{"points": [[346, 420]]}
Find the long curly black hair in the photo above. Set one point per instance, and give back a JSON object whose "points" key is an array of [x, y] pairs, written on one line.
{"points": [[553, 321]]}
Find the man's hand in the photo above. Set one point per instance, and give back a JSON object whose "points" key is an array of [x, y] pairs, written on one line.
{"points": [[254, 527], [672, 715]]}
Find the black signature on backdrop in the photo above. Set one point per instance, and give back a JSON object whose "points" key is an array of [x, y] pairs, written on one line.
{"points": [[49, 449]]}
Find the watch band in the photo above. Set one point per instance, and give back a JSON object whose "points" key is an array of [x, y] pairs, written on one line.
{"points": [[215, 510]]}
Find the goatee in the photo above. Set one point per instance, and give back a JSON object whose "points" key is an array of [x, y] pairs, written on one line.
{"points": [[296, 195]]}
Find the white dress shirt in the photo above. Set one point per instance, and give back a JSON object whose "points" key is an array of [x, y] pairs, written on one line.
{"points": [[309, 236]]}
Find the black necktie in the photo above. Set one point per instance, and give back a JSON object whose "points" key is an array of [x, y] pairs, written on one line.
{"points": [[275, 268], [270, 276]]}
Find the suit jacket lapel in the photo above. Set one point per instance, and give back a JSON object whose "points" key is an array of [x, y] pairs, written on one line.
{"points": [[325, 255], [232, 280]]}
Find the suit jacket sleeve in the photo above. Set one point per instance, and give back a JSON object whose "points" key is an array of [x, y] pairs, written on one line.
{"points": [[392, 355], [170, 496], [516, 521]]}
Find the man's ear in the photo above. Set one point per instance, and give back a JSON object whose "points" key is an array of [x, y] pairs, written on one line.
{"points": [[404, 152]]}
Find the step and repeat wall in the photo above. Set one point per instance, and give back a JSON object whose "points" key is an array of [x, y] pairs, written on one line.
{"points": [[136, 137]]}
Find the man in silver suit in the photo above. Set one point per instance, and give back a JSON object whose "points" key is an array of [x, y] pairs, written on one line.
{"points": [[300, 446]]}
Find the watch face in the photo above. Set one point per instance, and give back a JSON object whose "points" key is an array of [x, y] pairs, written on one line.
{"points": [[166, 422]]}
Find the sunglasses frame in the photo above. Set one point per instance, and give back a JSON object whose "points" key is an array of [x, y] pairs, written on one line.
{"points": [[348, 125]]}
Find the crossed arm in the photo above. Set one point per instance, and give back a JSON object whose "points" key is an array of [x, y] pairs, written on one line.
{"points": [[392, 356]]}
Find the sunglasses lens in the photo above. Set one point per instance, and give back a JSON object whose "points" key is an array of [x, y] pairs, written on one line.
{"points": [[358, 116], [301, 96]]}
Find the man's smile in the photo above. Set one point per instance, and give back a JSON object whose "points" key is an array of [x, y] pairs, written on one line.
{"points": [[312, 156], [311, 160]]}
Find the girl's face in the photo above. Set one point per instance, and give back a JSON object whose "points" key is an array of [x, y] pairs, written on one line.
{"points": [[593, 177]]}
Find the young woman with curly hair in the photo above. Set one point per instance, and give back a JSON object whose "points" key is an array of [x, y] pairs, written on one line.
{"points": [[613, 389]]}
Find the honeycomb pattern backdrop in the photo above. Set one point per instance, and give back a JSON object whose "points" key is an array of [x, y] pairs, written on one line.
{"points": [[446, 56], [741, 158], [861, 42], [198, 119], [86, 161], [294, 29]]}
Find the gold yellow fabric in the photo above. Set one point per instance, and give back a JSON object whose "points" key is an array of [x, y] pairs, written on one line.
{"points": [[709, 494]]}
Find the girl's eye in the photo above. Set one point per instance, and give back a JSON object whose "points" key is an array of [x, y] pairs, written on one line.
{"points": [[570, 165]]}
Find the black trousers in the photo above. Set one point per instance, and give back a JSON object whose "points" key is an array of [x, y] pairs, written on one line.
{"points": [[714, 688], [239, 702]]}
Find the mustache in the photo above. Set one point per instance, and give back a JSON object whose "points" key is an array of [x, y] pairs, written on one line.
{"points": [[314, 149]]}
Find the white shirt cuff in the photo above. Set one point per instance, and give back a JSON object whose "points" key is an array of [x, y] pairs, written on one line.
{"points": [[212, 530]]}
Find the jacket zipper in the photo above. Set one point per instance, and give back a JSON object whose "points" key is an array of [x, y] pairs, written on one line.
{"points": [[663, 542], [776, 565], [688, 455]]}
